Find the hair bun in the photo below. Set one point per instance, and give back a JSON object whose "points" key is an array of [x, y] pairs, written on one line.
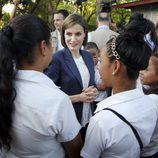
{"points": [[8, 31], [137, 16]]}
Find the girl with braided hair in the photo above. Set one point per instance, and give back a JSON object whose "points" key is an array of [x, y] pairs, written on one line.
{"points": [[124, 122]]}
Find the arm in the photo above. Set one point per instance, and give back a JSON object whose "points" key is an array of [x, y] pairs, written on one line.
{"points": [[73, 147], [95, 142], [13, 13]]}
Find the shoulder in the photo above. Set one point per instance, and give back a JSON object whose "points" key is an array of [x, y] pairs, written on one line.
{"points": [[87, 56], [52, 94], [113, 32], [154, 97], [86, 53], [93, 32], [59, 54]]}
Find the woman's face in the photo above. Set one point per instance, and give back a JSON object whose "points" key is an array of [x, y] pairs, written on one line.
{"points": [[74, 37], [105, 68], [150, 75]]}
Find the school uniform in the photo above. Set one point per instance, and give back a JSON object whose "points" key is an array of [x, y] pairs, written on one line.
{"points": [[109, 137], [40, 121]]}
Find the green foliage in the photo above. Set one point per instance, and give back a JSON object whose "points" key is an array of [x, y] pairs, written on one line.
{"points": [[120, 15], [46, 8], [4, 20], [87, 10]]}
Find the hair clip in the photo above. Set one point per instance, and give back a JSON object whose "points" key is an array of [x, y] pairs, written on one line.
{"points": [[8, 31], [114, 52]]}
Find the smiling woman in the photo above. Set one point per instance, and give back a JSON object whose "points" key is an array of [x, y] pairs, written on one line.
{"points": [[72, 69]]}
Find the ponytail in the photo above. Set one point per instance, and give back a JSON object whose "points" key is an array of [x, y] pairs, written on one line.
{"points": [[7, 90]]}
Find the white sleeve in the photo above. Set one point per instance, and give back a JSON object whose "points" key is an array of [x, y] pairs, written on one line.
{"points": [[95, 141], [65, 125]]}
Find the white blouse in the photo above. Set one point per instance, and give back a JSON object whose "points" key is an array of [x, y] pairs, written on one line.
{"points": [[85, 76]]}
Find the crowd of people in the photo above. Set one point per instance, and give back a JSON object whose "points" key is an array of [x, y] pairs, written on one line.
{"points": [[73, 93]]}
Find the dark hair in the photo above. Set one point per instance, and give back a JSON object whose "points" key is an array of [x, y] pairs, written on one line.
{"points": [[91, 45], [132, 51], [70, 21], [138, 23], [103, 16], [28, 31], [105, 7], [64, 12], [18, 41]]}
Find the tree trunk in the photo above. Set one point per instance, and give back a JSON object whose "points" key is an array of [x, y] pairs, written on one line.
{"points": [[31, 10], [50, 15]]}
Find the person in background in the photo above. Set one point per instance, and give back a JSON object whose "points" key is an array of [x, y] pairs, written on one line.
{"points": [[103, 33], [94, 50], [156, 24], [124, 122], [136, 23], [72, 69], [33, 119], [150, 77], [147, 27], [59, 17]]}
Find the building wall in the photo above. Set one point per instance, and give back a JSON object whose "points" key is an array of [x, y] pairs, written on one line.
{"points": [[149, 11]]}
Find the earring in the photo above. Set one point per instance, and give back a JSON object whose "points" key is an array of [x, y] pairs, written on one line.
{"points": [[113, 73]]}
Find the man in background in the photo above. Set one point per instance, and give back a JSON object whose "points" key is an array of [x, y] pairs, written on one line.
{"points": [[59, 18], [103, 33]]}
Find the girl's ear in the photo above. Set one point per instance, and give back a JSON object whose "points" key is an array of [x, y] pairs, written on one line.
{"points": [[116, 67], [43, 47]]}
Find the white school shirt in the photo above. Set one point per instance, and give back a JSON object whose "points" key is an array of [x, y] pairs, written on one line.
{"points": [[152, 148], [109, 137], [43, 118]]}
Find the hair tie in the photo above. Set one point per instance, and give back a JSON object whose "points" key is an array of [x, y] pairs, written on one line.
{"points": [[8, 31], [113, 48]]}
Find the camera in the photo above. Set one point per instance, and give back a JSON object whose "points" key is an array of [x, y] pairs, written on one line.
{"points": [[23, 1]]}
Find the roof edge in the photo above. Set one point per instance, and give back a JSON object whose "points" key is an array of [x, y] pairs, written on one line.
{"points": [[136, 3]]}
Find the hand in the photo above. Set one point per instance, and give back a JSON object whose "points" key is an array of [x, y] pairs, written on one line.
{"points": [[89, 94]]}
